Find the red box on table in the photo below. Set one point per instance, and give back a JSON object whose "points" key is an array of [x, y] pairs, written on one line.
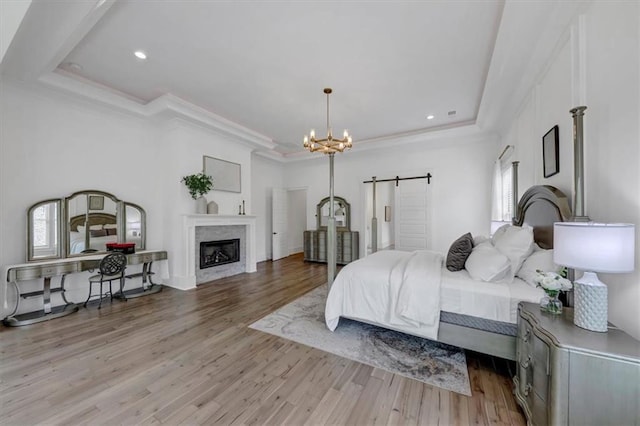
{"points": [[125, 248]]}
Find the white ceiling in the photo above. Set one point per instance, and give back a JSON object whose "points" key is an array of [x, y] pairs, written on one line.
{"points": [[263, 65]]}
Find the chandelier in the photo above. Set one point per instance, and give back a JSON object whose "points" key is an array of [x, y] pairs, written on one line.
{"points": [[328, 145]]}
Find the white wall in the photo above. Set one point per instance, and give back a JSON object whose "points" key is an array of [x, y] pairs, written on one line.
{"points": [[52, 145], [598, 65], [461, 169]]}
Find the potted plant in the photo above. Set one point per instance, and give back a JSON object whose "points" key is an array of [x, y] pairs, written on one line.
{"points": [[198, 185]]}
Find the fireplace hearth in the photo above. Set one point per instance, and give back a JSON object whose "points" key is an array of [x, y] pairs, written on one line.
{"points": [[216, 253]]}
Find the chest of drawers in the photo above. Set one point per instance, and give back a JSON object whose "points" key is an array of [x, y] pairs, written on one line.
{"points": [[567, 375]]}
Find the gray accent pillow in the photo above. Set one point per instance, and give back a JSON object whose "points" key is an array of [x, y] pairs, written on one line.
{"points": [[459, 252]]}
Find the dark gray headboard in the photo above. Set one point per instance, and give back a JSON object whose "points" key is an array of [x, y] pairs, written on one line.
{"points": [[540, 206]]}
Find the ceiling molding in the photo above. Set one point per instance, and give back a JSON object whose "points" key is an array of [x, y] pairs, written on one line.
{"points": [[63, 24], [467, 132], [518, 62], [166, 106]]}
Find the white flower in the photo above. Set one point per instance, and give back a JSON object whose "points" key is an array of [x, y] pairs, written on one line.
{"points": [[552, 282]]}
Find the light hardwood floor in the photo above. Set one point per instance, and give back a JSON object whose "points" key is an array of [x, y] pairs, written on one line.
{"points": [[189, 358]]}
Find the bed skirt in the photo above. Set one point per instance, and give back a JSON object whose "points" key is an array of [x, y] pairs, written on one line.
{"points": [[491, 326]]}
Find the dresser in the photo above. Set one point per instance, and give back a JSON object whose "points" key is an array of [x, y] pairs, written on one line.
{"points": [[568, 375], [315, 246]]}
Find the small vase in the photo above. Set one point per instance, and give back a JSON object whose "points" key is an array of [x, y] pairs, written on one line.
{"points": [[212, 207], [201, 205], [551, 304]]}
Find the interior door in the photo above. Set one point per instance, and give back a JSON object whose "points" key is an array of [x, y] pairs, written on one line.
{"points": [[412, 217], [279, 224]]}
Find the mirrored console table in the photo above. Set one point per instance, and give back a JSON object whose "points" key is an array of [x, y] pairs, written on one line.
{"points": [[63, 267]]}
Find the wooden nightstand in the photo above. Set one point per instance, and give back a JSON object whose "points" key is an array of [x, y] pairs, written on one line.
{"points": [[567, 375]]}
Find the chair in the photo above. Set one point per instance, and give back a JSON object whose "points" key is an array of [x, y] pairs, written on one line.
{"points": [[111, 268]]}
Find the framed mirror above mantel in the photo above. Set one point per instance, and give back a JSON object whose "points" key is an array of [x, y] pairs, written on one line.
{"points": [[82, 224]]}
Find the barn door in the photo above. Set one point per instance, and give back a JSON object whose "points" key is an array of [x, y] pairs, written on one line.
{"points": [[411, 221]]}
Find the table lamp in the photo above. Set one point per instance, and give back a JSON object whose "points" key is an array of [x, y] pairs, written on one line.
{"points": [[593, 247]]}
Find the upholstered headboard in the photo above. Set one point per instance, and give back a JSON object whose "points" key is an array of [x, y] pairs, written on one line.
{"points": [[94, 219], [539, 207]]}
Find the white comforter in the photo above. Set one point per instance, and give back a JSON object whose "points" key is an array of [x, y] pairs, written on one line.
{"points": [[395, 288]]}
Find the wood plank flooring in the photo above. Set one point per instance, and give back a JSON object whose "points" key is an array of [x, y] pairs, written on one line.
{"points": [[189, 358]]}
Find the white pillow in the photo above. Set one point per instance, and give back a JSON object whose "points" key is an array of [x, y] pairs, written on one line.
{"points": [[539, 260], [486, 263], [516, 242], [92, 228], [109, 226], [479, 239], [499, 233]]}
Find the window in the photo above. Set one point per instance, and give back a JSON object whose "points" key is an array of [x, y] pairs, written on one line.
{"points": [[44, 230], [507, 194]]}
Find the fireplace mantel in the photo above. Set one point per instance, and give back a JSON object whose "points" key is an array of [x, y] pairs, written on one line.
{"points": [[189, 255]]}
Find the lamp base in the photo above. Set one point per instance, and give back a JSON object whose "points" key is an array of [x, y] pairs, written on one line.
{"points": [[590, 310]]}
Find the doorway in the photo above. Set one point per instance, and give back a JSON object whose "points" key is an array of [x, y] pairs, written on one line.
{"points": [[402, 212], [289, 221]]}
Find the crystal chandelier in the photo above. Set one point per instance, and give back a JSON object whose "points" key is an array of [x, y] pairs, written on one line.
{"points": [[328, 145]]}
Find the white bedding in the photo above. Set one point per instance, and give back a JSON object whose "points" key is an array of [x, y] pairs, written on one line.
{"points": [[76, 242], [362, 291], [400, 289], [461, 294]]}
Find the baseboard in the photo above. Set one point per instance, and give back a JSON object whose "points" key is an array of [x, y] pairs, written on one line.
{"points": [[296, 250]]}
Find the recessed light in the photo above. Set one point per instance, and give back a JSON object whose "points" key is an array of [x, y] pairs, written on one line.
{"points": [[140, 54], [430, 117]]}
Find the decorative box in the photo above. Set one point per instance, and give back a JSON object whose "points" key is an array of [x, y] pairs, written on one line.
{"points": [[126, 248]]}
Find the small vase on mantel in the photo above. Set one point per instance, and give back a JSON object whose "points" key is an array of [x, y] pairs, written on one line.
{"points": [[201, 205], [212, 207]]}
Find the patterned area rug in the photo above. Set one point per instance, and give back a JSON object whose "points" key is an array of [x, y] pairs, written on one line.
{"points": [[430, 362]]}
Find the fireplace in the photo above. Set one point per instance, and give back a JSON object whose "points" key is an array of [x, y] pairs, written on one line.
{"points": [[216, 253]]}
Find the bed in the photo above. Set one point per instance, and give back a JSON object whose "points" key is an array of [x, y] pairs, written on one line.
{"points": [[102, 230], [412, 292]]}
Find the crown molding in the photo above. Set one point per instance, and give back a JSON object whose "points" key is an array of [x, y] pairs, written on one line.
{"points": [[467, 129], [167, 106]]}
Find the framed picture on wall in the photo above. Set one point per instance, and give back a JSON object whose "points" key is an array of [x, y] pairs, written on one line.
{"points": [[225, 174], [550, 155], [96, 202]]}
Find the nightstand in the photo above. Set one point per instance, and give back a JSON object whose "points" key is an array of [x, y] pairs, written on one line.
{"points": [[567, 375]]}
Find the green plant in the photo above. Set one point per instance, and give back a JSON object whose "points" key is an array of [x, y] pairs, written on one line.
{"points": [[198, 184]]}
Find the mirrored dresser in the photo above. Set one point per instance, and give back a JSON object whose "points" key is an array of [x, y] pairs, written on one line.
{"points": [[315, 242], [71, 235]]}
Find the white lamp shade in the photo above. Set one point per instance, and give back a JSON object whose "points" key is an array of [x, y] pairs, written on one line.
{"points": [[597, 247]]}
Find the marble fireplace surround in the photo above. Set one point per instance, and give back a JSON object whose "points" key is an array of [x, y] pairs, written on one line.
{"points": [[190, 255]]}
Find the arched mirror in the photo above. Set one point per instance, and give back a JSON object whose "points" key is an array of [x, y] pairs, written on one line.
{"points": [[135, 222], [342, 212], [91, 219], [43, 230], [82, 223]]}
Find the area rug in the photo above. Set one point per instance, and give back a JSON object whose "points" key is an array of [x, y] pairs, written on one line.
{"points": [[430, 362]]}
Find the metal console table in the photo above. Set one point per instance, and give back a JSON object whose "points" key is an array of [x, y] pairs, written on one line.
{"points": [[63, 267]]}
